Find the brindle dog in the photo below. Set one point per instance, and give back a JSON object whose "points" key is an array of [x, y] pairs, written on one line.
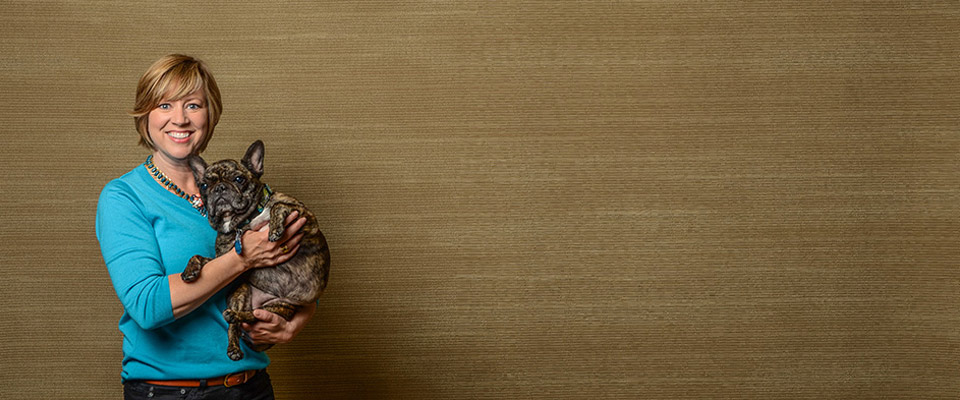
{"points": [[236, 201]]}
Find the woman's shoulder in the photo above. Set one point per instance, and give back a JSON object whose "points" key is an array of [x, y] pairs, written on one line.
{"points": [[127, 186]]}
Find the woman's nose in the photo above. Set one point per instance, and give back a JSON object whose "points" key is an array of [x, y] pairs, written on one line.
{"points": [[180, 116]]}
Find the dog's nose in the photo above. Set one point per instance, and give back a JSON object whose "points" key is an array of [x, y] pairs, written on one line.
{"points": [[219, 188]]}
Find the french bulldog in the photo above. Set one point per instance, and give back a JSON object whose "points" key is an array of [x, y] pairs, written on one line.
{"points": [[236, 201]]}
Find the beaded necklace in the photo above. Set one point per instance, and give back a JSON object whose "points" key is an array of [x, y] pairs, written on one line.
{"points": [[194, 200]]}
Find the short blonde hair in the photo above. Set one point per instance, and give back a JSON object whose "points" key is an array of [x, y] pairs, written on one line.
{"points": [[173, 77]]}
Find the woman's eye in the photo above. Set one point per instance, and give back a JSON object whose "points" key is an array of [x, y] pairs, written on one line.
{"points": [[164, 106], [240, 180], [193, 106]]}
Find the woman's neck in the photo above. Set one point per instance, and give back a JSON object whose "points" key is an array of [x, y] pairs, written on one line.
{"points": [[177, 171]]}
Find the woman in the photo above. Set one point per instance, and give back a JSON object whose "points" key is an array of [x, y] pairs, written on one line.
{"points": [[150, 221]]}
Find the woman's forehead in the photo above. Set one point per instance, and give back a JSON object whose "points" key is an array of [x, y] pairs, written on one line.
{"points": [[175, 86], [183, 93]]}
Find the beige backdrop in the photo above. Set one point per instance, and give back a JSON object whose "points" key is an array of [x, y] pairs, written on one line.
{"points": [[542, 199]]}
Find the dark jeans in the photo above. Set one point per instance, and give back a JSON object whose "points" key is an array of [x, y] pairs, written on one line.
{"points": [[257, 388]]}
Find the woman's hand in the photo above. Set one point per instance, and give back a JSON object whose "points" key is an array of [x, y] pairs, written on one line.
{"points": [[259, 252], [273, 329]]}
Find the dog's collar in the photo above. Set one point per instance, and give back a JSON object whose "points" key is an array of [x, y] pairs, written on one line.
{"points": [[238, 244], [264, 199]]}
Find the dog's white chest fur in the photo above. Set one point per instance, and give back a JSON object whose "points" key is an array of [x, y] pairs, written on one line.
{"points": [[255, 224], [261, 219]]}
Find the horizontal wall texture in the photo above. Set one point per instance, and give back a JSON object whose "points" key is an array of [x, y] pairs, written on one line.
{"points": [[526, 199]]}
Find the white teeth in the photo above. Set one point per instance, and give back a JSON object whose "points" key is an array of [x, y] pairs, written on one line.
{"points": [[179, 135]]}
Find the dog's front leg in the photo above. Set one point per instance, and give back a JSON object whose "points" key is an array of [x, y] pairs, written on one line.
{"points": [[278, 219], [192, 271]]}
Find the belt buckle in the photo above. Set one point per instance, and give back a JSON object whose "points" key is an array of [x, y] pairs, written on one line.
{"points": [[243, 379]]}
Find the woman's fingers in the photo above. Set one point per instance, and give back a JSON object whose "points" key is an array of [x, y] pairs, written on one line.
{"points": [[291, 217], [284, 257], [294, 241], [296, 226], [293, 226], [288, 245]]}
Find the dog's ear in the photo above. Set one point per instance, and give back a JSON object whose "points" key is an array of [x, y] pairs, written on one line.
{"points": [[253, 160], [198, 166]]}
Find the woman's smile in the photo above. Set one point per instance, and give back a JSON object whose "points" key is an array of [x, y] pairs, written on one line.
{"points": [[180, 136]]}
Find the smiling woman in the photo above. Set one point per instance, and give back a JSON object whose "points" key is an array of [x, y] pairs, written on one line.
{"points": [[176, 82], [176, 127], [149, 228]]}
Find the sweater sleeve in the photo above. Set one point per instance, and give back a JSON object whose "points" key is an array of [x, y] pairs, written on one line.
{"points": [[132, 255]]}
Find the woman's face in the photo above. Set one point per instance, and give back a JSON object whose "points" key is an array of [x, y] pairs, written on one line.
{"points": [[177, 126]]}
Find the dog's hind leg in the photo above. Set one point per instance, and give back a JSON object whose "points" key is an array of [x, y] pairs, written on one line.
{"points": [[238, 311], [281, 308], [233, 348], [238, 306]]}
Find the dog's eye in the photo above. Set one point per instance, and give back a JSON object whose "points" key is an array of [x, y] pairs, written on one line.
{"points": [[203, 186], [240, 180]]}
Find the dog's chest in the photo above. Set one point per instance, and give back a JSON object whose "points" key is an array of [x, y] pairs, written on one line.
{"points": [[261, 219], [256, 223]]}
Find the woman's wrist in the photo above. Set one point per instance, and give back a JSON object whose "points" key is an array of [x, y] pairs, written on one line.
{"points": [[242, 263]]}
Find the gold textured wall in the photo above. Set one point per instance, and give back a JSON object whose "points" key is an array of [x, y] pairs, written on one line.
{"points": [[526, 200]]}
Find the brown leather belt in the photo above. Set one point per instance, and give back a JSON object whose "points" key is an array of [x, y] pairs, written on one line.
{"points": [[228, 380]]}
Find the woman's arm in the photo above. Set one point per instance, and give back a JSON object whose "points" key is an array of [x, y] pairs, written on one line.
{"points": [[132, 256], [258, 252]]}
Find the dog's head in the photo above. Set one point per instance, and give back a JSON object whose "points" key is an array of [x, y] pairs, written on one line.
{"points": [[230, 190]]}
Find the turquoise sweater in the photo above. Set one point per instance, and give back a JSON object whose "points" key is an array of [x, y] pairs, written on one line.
{"points": [[145, 234]]}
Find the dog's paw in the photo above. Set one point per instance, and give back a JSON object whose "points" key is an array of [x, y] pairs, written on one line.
{"points": [[231, 316], [190, 274], [236, 317], [275, 235], [192, 271], [234, 353]]}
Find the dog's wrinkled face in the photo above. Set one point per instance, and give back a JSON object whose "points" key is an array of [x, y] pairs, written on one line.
{"points": [[230, 190]]}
